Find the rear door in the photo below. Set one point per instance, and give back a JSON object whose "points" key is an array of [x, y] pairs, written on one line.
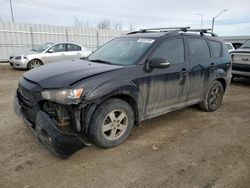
{"points": [[73, 51], [200, 67], [166, 88]]}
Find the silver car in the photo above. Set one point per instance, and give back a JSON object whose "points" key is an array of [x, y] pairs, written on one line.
{"points": [[48, 53]]}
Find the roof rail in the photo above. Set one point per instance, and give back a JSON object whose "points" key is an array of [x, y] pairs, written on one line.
{"points": [[202, 31], [162, 29], [174, 29]]}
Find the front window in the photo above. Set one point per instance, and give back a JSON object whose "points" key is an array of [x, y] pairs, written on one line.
{"points": [[172, 50], [42, 47], [246, 44], [121, 51], [58, 48]]}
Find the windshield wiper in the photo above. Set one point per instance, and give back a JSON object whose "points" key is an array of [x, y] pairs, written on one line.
{"points": [[100, 61], [245, 47]]}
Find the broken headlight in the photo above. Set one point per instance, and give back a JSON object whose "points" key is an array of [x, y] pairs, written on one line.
{"points": [[63, 96]]}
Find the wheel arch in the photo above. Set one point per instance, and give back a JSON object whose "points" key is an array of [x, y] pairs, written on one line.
{"points": [[91, 108], [34, 59], [223, 82]]}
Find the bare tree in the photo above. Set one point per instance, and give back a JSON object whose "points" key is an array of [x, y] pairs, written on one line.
{"points": [[104, 24], [86, 24], [76, 22], [117, 25]]}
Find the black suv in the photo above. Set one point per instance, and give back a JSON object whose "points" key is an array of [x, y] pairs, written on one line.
{"points": [[138, 76]]}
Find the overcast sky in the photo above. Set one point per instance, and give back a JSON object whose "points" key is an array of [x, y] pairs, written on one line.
{"points": [[139, 13]]}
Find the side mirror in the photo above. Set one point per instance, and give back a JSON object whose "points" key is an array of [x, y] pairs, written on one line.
{"points": [[159, 63], [50, 50]]}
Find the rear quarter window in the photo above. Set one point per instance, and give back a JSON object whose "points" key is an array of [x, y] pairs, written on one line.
{"points": [[198, 49], [216, 48]]}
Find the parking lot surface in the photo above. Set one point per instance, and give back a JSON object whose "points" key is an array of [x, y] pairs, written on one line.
{"points": [[185, 148]]}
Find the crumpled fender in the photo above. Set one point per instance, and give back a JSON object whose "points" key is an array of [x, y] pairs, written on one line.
{"points": [[114, 87]]}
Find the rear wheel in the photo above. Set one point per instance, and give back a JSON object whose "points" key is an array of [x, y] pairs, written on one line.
{"points": [[111, 123], [213, 97], [34, 63]]}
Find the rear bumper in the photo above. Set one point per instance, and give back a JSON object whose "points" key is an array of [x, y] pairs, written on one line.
{"points": [[61, 143]]}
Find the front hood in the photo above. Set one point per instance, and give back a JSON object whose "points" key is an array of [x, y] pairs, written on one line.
{"points": [[241, 50], [23, 52], [63, 74]]}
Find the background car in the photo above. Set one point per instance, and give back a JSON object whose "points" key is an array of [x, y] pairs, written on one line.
{"points": [[230, 46], [241, 61], [48, 53]]}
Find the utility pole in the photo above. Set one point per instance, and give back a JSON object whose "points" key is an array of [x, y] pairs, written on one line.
{"points": [[12, 16], [201, 15], [215, 18]]}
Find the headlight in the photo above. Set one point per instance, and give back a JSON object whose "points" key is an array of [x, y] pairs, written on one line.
{"points": [[18, 57], [63, 96]]}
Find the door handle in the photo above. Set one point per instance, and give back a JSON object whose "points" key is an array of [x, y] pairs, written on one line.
{"points": [[183, 75], [183, 71]]}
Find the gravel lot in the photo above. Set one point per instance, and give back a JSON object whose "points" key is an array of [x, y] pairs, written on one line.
{"points": [[186, 148]]}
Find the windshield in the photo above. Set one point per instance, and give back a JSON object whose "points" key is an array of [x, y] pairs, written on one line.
{"points": [[121, 51], [42, 47], [229, 47], [246, 44]]}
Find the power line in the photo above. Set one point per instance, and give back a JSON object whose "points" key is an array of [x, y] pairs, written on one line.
{"points": [[56, 6]]}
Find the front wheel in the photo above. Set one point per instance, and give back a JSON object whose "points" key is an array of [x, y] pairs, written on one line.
{"points": [[213, 97], [34, 63], [111, 123]]}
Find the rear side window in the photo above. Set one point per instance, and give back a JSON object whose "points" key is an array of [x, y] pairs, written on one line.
{"points": [[198, 49], [73, 47], [172, 49], [216, 48]]}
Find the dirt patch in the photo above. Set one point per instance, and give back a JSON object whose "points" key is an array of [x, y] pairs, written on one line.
{"points": [[185, 148]]}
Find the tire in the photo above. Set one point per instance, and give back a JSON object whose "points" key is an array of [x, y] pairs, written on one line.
{"points": [[34, 63], [105, 129], [213, 97]]}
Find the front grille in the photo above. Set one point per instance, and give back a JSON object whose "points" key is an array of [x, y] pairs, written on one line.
{"points": [[239, 67], [241, 59], [24, 92], [27, 103]]}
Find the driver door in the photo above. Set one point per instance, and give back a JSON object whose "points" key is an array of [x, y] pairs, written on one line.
{"points": [[167, 88], [55, 53]]}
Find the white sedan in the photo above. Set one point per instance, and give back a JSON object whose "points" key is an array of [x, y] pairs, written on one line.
{"points": [[48, 53]]}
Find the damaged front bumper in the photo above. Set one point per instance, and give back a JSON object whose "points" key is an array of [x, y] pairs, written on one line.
{"points": [[59, 142]]}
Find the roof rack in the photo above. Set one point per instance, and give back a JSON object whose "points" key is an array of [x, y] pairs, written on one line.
{"points": [[164, 29], [161, 29], [174, 29], [203, 31]]}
